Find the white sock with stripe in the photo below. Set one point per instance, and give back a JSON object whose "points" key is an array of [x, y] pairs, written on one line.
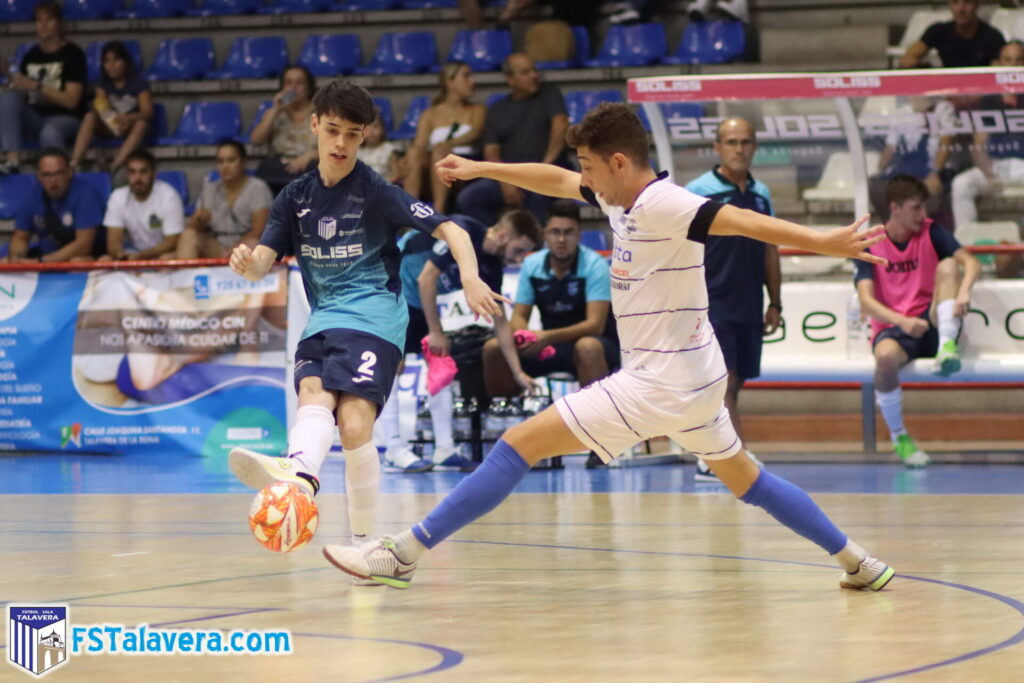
{"points": [[311, 437], [362, 481]]}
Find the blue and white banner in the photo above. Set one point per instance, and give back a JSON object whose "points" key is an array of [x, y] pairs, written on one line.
{"points": [[175, 361]]}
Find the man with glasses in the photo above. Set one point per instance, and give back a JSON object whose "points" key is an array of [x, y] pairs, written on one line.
{"points": [[737, 268], [570, 286], [60, 220]]}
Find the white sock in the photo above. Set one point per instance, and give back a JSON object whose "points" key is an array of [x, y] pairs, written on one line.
{"points": [[949, 324], [850, 557], [441, 417], [408, 547], [311, 437], [388, 421], [362, 481], [891, 405]]}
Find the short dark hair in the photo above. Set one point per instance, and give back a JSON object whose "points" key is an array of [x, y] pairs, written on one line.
{"points": [[902, 187], [609, 128], [50, 7], [119, 50], [54, 152], [143, 155], [523, 224], [564, 208], [346, 100], [234, 144]]}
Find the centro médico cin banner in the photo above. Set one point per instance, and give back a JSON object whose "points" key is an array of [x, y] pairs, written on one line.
{"points": [[174, 361]]}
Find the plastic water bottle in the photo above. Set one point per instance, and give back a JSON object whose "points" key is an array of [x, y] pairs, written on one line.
{"points": [[856, 347], [494, 420], [514, 413]]}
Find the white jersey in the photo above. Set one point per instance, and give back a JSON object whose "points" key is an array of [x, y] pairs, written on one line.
{"points": [[659, 296]]}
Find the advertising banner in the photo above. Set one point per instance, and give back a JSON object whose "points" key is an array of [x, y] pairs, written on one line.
{"points": [[175, 361]]}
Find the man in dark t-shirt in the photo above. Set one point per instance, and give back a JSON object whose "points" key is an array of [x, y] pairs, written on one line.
{"points": [[965, 41], [526, 126], [46, 98]]}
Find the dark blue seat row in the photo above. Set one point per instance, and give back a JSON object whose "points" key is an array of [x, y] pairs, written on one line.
{"points": [[15, 188]]}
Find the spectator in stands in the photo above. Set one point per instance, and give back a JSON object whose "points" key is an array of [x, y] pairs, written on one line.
{"points": [[378, 152], [528, 125], [570, 11], [965, 41], [738, 269], [569, 283], [60, 221], [122, 107], [285, 127], [998, 157], [232, 210], [47, 94], [699, 10], [148, 210], [916, 302], [456, 332], [452, 123]]}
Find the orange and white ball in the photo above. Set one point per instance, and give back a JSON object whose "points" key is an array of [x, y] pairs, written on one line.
{"points": [[283, 517]]}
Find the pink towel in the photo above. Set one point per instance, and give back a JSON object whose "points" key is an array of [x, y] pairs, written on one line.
{"points": [[441, 370], [527, 336]]}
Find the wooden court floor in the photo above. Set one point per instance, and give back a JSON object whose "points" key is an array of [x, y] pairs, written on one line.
{"points": [[569, 587]]}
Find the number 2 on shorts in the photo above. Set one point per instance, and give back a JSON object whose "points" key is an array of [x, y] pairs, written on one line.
{"points": [[365, 370]]}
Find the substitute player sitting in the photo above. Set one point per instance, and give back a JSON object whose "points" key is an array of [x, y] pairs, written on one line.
{"points": [[673, 378], [340, 221], [916, 302]]}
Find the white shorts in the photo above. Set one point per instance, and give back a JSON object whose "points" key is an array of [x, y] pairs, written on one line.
{"points": [[625, 408]]}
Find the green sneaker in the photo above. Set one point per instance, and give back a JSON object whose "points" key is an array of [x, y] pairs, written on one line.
{"points": [[947, 360], [909, 453]]}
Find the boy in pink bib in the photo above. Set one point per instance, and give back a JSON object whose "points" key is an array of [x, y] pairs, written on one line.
{"points": [[916, 302]]}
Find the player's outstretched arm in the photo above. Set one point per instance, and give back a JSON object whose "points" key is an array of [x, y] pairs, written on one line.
{"points": [[546, 179], [252, 264], [479, 297], [842, 242]]}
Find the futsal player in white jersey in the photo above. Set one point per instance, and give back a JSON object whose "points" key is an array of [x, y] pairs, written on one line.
{"points": [[673, 378]]}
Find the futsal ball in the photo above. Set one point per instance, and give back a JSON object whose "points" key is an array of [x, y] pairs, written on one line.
{"points": [[283, 517]]}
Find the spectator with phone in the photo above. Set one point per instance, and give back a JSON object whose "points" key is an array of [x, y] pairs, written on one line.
{"points": [[285, 127]]}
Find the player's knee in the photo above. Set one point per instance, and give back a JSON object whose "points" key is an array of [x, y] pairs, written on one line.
{"points": [[588, 350], [887, 360], [492, 349]]}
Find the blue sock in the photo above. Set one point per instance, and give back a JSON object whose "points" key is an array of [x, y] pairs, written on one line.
{"points": [[789, 505], [475, 496]]}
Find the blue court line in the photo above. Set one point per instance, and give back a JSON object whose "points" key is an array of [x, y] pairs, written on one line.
{"points": [[449, 658]]}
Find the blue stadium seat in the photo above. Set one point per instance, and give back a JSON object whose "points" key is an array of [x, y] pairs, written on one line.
{"points": [[673, 111], [182, 59], [407, 128], [364, 5], [582, 37], [100, 182], [595, 239], [296, 7], [264, 105], [261, 57], [633, 45], [13, 190], [218, 8], [331, 54], [429, 4], [481, 50], [154, 9], [177, 180], [710, 42], [20, 52], [386, 113], [580, 102], [205, 123], [16, 10], [77, 10], [94, 57], [403, 53]]}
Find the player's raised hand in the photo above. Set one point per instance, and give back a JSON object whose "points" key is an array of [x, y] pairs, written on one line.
{"points": [[241, 259], [849, 243], [481, 299], [454, 167]]}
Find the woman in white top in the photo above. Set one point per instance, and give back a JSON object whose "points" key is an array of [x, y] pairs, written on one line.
{"points": [[452, 124], [232, 210]]}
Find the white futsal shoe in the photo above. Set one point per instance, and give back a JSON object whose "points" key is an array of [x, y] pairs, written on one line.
{"points": [[374, 561], [873, 574], [256, 470]]}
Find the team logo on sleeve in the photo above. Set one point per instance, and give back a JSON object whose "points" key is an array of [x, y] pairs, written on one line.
{"points": [[421, 210], [440, 247], [327, 228]]}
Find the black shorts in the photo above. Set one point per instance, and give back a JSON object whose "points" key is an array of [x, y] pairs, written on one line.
{"points": [[562, 360], [741, 344], [350, 362], [416, 331], [925, 346]]}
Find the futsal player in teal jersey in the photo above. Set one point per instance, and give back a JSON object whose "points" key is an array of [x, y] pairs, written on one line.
{"points": [[340, 221]]}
